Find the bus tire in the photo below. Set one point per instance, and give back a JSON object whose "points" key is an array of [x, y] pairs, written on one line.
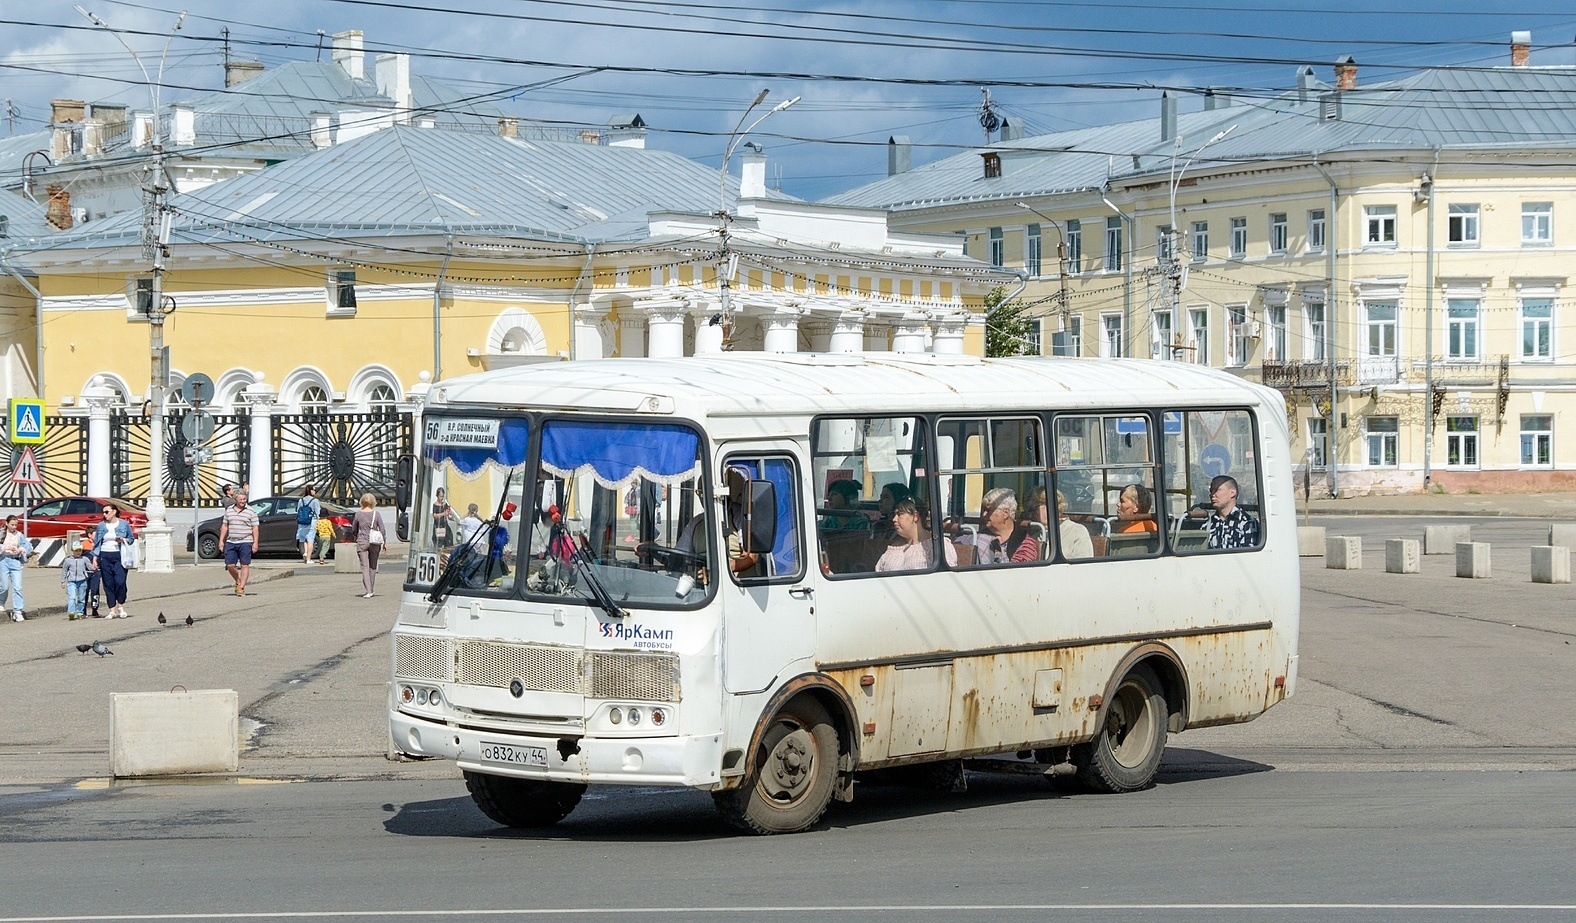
{"points": [[792, 776], [1125, 754], [523, 802]]}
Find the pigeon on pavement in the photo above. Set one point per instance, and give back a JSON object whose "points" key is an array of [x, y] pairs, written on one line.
{"points": [[84, 648], [98, 648], [189, 620], [161, 618]]}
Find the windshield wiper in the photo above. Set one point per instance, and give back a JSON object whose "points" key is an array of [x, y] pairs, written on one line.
{"points": [[599, 593], [462, 555]]}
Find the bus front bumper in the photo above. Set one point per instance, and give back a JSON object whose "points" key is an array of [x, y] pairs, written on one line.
{"points": [[680, 760]]}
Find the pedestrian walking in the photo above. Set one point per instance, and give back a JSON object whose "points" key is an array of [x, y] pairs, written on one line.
{"points": [[239, 536], [306, 522], [14, 552], [325, 537], [95, 579], [112, 537], [370, 533], [74, 577]]}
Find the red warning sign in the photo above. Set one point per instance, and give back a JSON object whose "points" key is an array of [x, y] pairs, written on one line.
{"points": [[26, 470]]}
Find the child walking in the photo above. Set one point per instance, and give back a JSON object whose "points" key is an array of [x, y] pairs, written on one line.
{"points": [[74, 577], [325, 538]]}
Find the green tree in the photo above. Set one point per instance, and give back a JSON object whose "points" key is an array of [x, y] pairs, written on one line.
{"points": [[1006, 329]]}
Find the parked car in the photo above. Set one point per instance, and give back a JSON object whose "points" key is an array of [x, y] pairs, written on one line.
{"points": [[276, 518], [54, 518]]}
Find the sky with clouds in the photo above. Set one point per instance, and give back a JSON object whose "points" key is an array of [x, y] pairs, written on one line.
{"points": [[864, 71]]}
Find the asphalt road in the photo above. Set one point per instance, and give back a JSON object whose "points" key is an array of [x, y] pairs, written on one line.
{"points": [[1426, 770]]}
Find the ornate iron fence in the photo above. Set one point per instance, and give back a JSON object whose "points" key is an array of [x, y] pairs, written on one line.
{"points": [[62, 460], [343, 454], [184, 484]]}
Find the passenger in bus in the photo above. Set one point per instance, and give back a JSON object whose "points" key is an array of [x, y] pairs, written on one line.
{"points": [[891, 495], [842, 513], [1229, 526], [1000, 540], [1073, 536], [1134, 511], [913, 549]]}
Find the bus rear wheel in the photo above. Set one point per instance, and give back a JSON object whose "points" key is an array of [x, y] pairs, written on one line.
{"points": [[1124, 756], [523, 802], [792, 776]]}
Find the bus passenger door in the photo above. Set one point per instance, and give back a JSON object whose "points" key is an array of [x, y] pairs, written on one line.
{"points": [[768, 614]]}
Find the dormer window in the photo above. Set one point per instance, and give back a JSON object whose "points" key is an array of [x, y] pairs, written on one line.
{"points": [[342, 292], [992, 165]]}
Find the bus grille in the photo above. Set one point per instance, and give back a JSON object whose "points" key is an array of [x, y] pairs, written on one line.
{"points": [[599, 674], [633, 676], [423, 657]]}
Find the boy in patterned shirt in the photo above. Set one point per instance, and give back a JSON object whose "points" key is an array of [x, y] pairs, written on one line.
{"points": [[1229, 526]]}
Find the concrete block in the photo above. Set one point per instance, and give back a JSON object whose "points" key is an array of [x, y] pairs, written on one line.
{"points": [[345, 560], [1343, 552], [1551, 564], [1472, 560], [1444, 539], [1310, 541], [167, 733], [1563, 534], [1401, 556]]}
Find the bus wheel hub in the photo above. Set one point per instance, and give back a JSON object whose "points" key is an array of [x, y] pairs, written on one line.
{"points": [[790, 765]]}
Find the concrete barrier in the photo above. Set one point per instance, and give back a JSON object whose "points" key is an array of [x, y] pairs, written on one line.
{"points": [[1472, 560], [345, 560], [1563, 534], [167, 733], [1444, 539], [1343, 552], [1401, 556], [1310, 541], [1551, 564]]}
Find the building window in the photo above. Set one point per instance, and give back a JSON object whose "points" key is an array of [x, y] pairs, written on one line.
{"points": [[1461, 328], [1313, 315], [1537, 224], [1163, 242], [1537, 328], [1318, 442], [1164, 337], [1200, 241], [1198, 319], [1074, 246], [992, 165], [314, 400], [1462, 226], [1113, 244], [1380, 220], [1537, 440], [1316, 229], [1382, 437], [143, 303], [1032, 344], [382, 399], [1111, 339], [1239, 343], [998, 249], [1278, 233], [1031, 251], [1239, 238], [1275, 319], [1381, 328], [1069, 342], [1461, 442], [342, 291]]}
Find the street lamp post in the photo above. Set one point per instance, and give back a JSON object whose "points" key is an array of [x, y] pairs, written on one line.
{"points": [[727, 262], [157, 549], [1174, 251], [1061, 259]]}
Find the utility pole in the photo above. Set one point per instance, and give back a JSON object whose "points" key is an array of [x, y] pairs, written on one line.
{"points": [[727, 260]]}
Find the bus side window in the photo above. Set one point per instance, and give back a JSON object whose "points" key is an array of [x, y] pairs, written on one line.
{"points": [[1106, 486], [863, 467], [1211, 481], [991, 473], [784, 560]]}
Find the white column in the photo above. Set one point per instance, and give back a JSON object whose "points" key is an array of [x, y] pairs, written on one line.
{"points": [[909, 334], [819, 330], [664, 326], [260, 398], [99, 400], [947, 334], [848, 333], [632, 335], [588, 333], [782, 329], [708, 336]]}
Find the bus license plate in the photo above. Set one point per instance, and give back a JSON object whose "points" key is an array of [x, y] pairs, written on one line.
{"points": [[514, 755]]}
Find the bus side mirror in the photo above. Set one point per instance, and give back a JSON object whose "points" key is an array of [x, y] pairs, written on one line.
{"points": [[404, 475], [402, 525], [760, 515]]}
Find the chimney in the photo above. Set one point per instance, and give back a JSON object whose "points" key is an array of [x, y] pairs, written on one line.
{"points": [[627, 129], [509, 128], [348, 53], [1009, 131], [183, 124], [1168, 117], [58, 213], [66, 111], [1304, 82], [92, 137], [900, 155], [752, 172], [322, 130], [1346, 74], [141, 130], [1520, 49], [241, 71], [111, 116], [393, 73], [1216, 99]]}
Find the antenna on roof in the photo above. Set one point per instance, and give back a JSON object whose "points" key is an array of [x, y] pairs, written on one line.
{"points": [[989, 120], [226, 33], [320, 45]]}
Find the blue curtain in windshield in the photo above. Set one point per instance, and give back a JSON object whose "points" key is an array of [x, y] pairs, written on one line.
{"points": [[615, 452], [469, 445], [785, 553]]}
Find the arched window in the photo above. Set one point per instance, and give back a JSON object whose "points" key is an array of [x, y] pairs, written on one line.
{"points": [[314, 400], [381, 399]]}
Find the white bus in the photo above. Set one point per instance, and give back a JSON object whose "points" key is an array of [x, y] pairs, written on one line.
{"points": [[760, 574]]}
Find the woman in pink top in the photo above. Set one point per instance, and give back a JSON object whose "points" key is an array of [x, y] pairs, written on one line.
{"points": [[913, 549]]}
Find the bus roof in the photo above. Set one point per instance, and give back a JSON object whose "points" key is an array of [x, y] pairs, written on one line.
{"points": [[772, 384]]}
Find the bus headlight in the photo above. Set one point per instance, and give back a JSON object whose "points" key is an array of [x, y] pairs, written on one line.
{"points": [[407, 695], [658, 717], [421, 697], [614, 715], [634, 716]]}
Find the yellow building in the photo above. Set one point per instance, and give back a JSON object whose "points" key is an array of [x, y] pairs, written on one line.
{"points": [[1409, 242]]}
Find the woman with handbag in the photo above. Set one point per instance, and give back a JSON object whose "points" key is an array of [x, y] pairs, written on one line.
{"points": [[370, 533]]}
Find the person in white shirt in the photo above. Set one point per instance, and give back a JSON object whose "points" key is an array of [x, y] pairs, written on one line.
{"points": [[14, 552]]}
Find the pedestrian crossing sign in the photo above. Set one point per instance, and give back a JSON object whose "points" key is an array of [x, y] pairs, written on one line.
{"points": [[25, 422]]}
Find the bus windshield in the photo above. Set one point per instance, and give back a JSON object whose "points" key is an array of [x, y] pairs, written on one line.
{"points": [[472, 485], [619, 510]]}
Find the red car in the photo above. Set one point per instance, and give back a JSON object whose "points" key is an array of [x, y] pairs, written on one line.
{"points": [[54, 518]]}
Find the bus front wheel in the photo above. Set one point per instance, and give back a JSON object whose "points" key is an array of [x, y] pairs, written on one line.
{"points": [[793, 774], [523, 802], [1124, 756]]}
